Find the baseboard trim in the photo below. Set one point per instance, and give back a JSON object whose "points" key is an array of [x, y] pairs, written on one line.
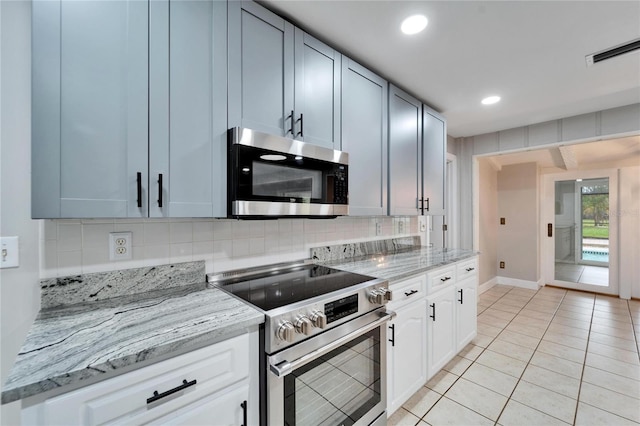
{"points": [[515, 282], [486, 286]]}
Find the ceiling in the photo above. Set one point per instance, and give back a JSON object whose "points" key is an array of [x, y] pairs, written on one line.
{"points": [[570, 157], [531, 53]]}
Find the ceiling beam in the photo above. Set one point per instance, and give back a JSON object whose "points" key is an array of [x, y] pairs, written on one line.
{"points": [[568, 157]]}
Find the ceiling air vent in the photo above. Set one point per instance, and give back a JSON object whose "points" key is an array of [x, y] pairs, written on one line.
{"points": [[613, 52]]}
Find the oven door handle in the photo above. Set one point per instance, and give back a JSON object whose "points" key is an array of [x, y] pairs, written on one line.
{"points": [[285, 367]]}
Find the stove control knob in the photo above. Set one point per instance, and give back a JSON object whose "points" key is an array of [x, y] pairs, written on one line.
{"points": [[286, 332], [303, 325], [319, 319], [377, 297]]}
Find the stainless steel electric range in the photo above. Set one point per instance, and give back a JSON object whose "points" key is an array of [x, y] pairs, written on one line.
{"points": [[324, 343]]}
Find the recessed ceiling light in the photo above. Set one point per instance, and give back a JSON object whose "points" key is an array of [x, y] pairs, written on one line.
{"points": [[490, 100], [414, 24]]}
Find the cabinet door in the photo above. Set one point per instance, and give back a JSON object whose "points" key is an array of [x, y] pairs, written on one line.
{"points": [[405, 170], [364, 137], [317, 91], [188, 101], [441, 341], [260, 69], [90, 109], [466, 311], [406, 354], [434, 151]]}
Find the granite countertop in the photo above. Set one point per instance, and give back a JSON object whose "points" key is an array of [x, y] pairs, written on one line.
{"points": [[395, 265], [71, 343]]}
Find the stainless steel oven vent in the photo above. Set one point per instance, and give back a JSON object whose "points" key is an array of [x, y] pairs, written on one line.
{"points": [[622, 49]]}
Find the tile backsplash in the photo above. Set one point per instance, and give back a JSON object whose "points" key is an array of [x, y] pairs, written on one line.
{"points": [[71, 247]]}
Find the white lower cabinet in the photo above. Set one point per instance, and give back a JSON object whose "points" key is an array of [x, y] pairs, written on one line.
{"points": [[406, 361], [466, 311], [441, 340], [209, 386]]}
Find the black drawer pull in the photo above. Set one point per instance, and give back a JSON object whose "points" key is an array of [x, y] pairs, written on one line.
{"points": [[470, 269], [156, 396], [139, 188], [393, 334], [244, 413], [160, 190], [433, 316], [461, 296], [292, 129], [445, 279], [301, 132], [410, 293]]}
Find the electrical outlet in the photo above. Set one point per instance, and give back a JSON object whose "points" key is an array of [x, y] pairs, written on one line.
{"points": [[422, 223], [120, 246], [378, 228], [501, 265], [9, 252], [401, 226]]}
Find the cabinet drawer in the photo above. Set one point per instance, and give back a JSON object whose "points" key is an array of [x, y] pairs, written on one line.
{"points": [[467, 268], [407, 291], [440, 278], [123, 399]]}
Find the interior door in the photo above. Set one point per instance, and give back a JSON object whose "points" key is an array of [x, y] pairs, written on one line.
{"points": [[580, 237]]}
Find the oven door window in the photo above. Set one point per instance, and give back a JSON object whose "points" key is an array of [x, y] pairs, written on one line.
{"points": [[337, 388]]}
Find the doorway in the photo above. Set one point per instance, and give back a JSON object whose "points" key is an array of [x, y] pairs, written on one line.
{"points": [[580, 239]]}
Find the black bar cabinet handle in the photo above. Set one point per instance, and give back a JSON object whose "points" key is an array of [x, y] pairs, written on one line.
{"points": [[422, 205], [244, 413], [470, 269], [293, 128], [445, 279], [410, 293], [461, 296], [433, 316], [160, 190], [393, 334], [301, 133], [139, 182], [427, 203], [156, 396]]}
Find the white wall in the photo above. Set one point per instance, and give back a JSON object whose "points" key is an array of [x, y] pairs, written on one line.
{"points": [[19, 290], [518, 237], [629, 216], [488, 229]]}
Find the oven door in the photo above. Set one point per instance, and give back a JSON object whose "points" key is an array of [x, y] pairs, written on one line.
{"points": [[335, 378]]}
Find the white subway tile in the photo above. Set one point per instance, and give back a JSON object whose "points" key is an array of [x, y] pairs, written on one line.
{"points": [[50, 230], [271, 228], [297, 226], [256, 228], [156, 233], [256, 246], [241, 247], [69, 237], [159, 254], [181, 232], [96, 235], [202, 250], [222, 250], [223, 230], [241, 229], [69, 263], [284, 226], [203, 231], [181, 252]]}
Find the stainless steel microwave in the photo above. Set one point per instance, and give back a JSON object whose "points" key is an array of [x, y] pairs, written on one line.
{"points": [[272, 176]]}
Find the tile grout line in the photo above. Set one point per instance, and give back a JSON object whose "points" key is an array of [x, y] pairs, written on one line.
{"points": [[584, 361], [531, 357]]}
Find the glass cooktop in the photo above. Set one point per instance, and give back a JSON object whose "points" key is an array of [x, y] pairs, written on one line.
{"points": [[275, 289]]}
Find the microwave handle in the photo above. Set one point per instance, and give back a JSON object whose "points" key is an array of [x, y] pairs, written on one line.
{"points": [[285, 367]]}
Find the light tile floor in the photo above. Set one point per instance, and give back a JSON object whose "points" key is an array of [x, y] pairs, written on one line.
{"points": [[585, 274], [551, 357]]}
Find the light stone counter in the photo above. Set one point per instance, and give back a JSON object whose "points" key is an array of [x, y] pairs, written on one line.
{"points": [[83, 341], [399, 259]]}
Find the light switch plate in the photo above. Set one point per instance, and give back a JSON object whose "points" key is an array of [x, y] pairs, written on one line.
{"points": [[9, 252]]}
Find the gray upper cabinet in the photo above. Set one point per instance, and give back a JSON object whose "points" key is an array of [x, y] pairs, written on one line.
{"points": [[282, 81], [260, 69], [364, 137], [405, 139], [317, 91], [124, 92], [89, 109], [188, 120], [434, 147]]}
